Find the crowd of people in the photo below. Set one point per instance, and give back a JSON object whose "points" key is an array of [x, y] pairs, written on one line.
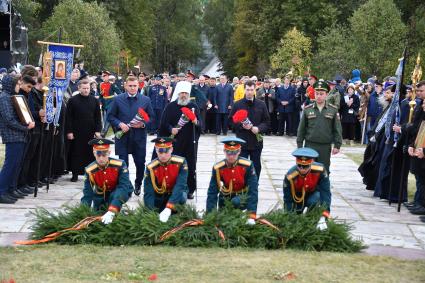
{"points": [[320, 113]]}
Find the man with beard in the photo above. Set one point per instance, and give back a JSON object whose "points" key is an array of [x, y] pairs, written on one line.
{"points": [[390, 172], [369, 169], [83, 122], [185, 130]]}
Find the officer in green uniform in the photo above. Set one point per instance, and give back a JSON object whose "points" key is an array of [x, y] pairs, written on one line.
{"points": [[320, 126], [334, 97]]}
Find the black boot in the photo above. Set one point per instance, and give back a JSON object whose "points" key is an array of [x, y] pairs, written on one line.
{"points": [[5, 199], [137, 189], [74, 178]]}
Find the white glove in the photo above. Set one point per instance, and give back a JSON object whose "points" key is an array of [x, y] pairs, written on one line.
{"points": [[321, 225], [164, 215], [108, 217], [250, 221]]}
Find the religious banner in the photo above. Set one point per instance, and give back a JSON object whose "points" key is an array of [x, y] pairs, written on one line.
{"points": [[62, 57]]}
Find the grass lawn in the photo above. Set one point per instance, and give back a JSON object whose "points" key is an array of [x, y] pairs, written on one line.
{"points": [[54, 263], [411, 182]]}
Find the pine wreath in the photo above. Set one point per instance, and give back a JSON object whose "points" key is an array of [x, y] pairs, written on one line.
{"points": [[225, 228]]}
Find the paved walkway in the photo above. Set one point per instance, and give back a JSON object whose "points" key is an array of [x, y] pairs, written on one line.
{"points": [[377, 223]]}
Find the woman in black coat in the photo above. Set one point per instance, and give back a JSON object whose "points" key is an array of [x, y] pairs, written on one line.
{"points": [[350, 104]]}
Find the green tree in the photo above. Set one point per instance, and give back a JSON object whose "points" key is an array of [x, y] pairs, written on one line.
{"points": [[379, 36], [177, 27], [218, 25], [87, 24], [135, 20], [294, 52], [334, 55]]}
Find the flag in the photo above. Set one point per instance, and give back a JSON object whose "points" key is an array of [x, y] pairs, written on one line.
{"points": [[394, 111], [60, 74]]}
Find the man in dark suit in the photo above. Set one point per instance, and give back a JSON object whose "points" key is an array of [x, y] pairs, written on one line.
{"points": [[285, 97], [123, 109], [223, 103]]}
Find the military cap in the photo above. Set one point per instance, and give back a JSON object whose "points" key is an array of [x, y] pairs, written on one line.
{"points": [[321, 85], [158, 77], [163, 142], [100, 144], [232, 143], [190, 74], [305, 155], [207, 77], [181, 75], [104, 72], [331, 82]]}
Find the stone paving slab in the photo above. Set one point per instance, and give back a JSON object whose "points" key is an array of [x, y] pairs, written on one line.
{"points": [[373, 220]]}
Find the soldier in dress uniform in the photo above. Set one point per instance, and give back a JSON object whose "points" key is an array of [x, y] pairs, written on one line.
{"points": [[307, 184], [158, 95], [165, 182], [107, 183], [106, 96], [320, 126], [234, 179]]}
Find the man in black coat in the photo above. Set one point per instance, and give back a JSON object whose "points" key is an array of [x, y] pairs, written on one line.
{"points": [[83, 123], [252, 132], [185, 131]]}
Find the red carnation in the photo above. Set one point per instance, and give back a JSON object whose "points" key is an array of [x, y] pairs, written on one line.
{"points": [[240, 116], [153, 277], [143, 114], [188, 113]]}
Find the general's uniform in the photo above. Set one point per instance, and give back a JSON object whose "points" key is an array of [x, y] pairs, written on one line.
{"points": [[318, 129], [165, 184], [159, 99], [237, 183]]}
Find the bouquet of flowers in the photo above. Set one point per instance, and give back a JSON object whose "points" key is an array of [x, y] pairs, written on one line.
{"points": [[241, 116], [187, 115], [141, 117]]}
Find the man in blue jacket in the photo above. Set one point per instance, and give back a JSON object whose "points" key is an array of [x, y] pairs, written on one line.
{"points": [[123, 109], [223, 102], [285, 97]]}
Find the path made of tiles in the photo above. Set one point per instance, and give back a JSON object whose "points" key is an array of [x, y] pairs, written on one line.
{"points": [[379, 225]]}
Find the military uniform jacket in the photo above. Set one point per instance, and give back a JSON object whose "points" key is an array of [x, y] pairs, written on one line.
{"points": [[165, 179], [320, 126], [230, 181], [297, 187], [112, 184], [158, 96]]}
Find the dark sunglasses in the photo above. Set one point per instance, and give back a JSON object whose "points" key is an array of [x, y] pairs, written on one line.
{"points": [[100, 153], [163, 150], [303, 166], [232, 152]]}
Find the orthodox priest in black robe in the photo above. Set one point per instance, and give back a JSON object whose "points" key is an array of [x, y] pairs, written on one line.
{"points": [[185, 130], [382, 167], [83, 122]]}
